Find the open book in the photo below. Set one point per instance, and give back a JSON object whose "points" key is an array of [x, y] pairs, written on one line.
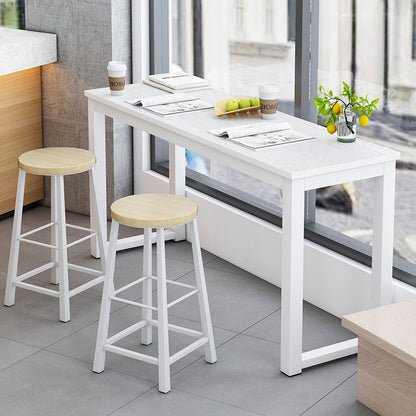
{"points": [[260, 135], [171, 104]]}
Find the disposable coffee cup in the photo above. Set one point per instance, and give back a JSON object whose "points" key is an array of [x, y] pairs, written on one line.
{"points": [[268, 92], [117, 77]]}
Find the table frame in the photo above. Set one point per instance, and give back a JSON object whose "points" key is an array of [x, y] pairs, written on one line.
{"points": [[293, 360]]}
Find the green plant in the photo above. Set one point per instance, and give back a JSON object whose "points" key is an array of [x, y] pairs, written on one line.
{"points": [[333, 105]]}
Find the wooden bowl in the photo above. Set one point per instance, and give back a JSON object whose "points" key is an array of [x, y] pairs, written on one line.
{"points": [[220, 109]]}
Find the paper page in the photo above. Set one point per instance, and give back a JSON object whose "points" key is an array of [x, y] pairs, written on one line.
{"points": [[161, 99], [247, 130], [271, 139], [181, 107]]}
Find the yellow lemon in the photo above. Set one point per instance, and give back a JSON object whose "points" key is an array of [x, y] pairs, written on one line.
{"points": [[337, 109], [363, 120], [331, 128]]}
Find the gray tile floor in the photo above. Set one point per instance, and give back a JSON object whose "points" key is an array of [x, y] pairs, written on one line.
{"points": [[45, 365]]}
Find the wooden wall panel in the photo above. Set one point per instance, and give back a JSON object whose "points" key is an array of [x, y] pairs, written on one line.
{"points": [[20, 131]]}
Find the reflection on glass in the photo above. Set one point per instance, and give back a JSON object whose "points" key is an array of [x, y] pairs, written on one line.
{"points": [[369, 44], [243, 43], [9, 13]]}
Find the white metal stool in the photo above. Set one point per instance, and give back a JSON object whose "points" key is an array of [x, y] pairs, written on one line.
{"points": [[154, 211], [54, 162]]}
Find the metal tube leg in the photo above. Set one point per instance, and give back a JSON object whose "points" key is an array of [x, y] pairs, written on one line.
{"points": [[54, 228], [15, 241], [147, 286], [292, 278], [210, 353], [102, 333], [162, 311], [102, 240], [383, 229], [62, 267]]}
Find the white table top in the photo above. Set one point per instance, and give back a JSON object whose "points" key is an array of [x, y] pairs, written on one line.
{"points": [[23, 49], [292, 161]]}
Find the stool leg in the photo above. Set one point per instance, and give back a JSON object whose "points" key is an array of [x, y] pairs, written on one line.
{"points": [[62, 267], [102, 239], [54, 229], [108, 289], [162, 312], [15, 242], [210, 354], [147, 286]]}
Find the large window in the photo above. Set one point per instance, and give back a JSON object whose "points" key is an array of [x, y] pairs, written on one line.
{"points": [[236, 44], [11, 13]]}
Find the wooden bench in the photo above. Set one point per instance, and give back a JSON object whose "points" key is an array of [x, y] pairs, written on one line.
{"points": [[386, 378]]}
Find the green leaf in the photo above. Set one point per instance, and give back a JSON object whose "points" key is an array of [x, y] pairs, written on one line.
{"points": [[326, 122], [330, 93], [375, 101]]}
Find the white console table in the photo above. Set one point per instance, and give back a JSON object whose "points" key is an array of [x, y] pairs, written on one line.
{"points": [[296, 168]]}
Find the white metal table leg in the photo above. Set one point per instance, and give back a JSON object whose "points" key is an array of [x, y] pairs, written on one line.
{"points": [[177, 174], [54, 229], [101, 238], [210, 353], [96, 135], [102, 333], [147, 287], [162, 315], [15, 242], [292, 277], [383, 229], [62, 268]]}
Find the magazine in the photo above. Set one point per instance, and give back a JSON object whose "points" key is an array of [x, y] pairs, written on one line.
{"points": [[261, 135], [178, 80], [161, 99], [179, 107]]}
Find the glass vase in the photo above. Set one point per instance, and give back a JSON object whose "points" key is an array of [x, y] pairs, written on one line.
{"points": [[346, 127]]}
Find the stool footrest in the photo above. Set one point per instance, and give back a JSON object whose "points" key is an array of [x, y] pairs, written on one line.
{"points": [[130, 302], [126, 332], [39, 289], [80, 240], [36, 271], [128, 286], [132, 354], [82, 269], [187, 350], [35, 230], [179, 329], [38, 243], [186, 296], [86, 286]]}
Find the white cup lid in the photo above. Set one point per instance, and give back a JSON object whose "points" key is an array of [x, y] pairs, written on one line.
{"points": [[268, 87], [116, 66]]}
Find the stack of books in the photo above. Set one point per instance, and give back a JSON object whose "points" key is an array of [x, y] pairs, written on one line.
{"points": [[177, 82]]}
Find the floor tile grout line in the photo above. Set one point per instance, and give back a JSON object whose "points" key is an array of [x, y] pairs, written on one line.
{"points": [[236, 334], [219, 401], [132, 400], [327, 394]]}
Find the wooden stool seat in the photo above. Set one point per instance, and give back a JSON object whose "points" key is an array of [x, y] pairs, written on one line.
{"points": [[154, 210], [56, 161]]}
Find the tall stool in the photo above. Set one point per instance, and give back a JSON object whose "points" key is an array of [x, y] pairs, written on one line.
{"points": [[54, 162], [154, 211]]}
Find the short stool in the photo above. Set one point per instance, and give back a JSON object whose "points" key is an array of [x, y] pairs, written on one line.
{"points": [[154, 211], [55, 162]]}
